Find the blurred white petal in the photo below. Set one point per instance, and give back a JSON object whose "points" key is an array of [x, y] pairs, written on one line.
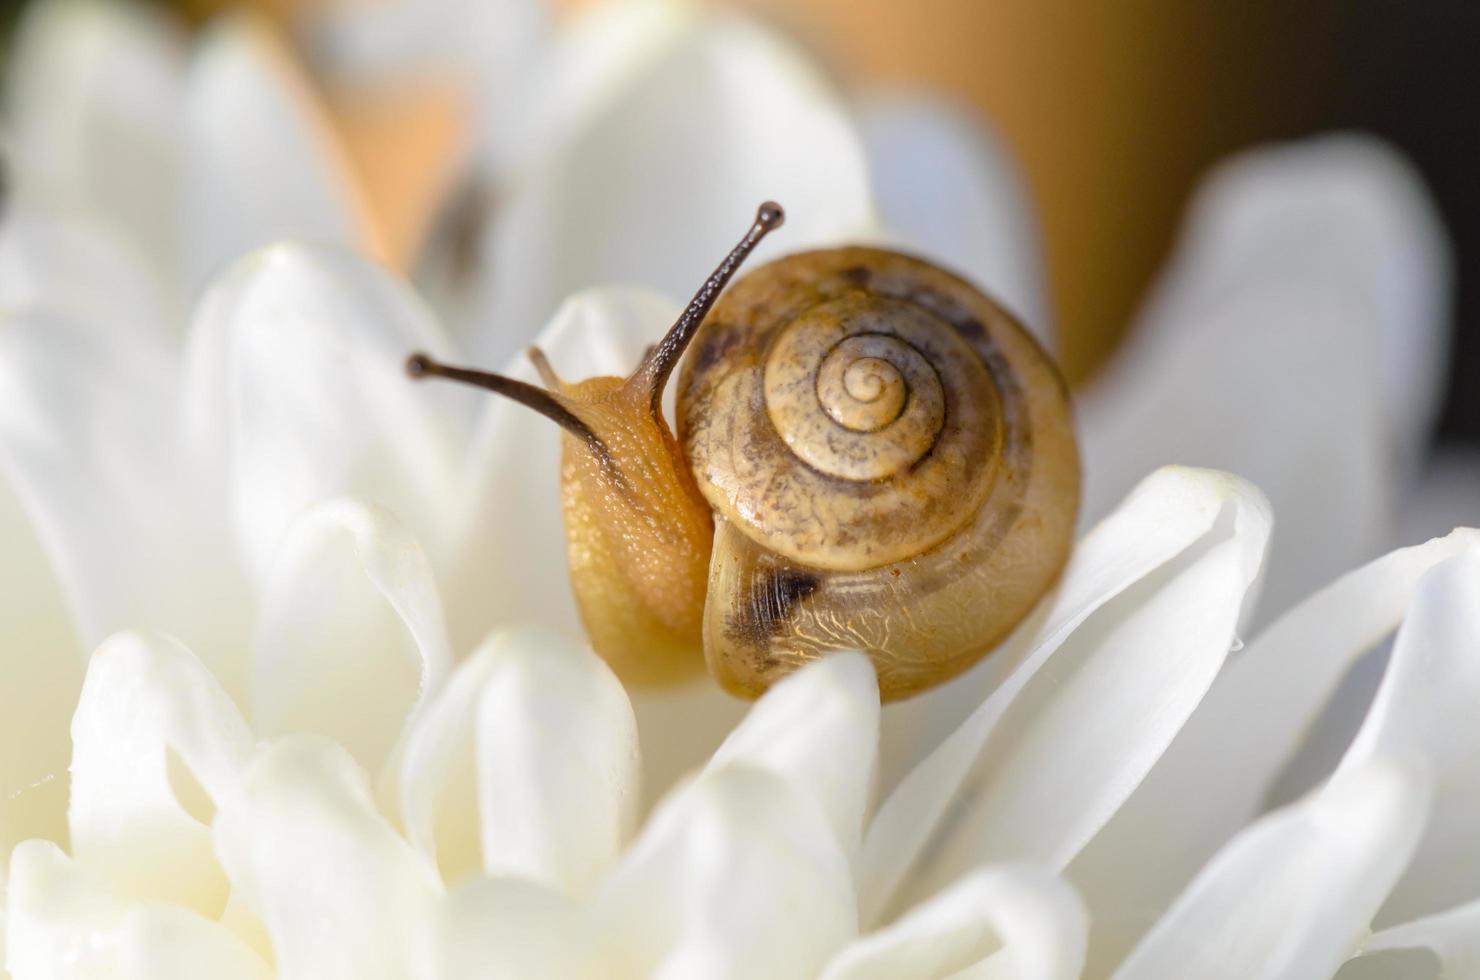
{"points": [[260, 161], [351, 636], [737, 875], [531, 751], [1453, 935], [948, 189], [1214, 777], [504, 929], [157, 745], [65, 923], [819, 729], [295, 385], [1140, 625], [47, 250], [38, 659], [1296, 340], [93, 101], [620, 200], [341, 894], [87, 446], [1011, 921], [1291, 896]]}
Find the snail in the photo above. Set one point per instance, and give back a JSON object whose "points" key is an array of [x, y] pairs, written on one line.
{"points": [[870, 454]]}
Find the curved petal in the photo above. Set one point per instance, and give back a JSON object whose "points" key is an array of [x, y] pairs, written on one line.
{"points": [[1140, 626], [1214, 777], [529, 756], [504, 929], [617, 199], [88, 443], [94, 97], [1291, 896], [43, 675], [1011, 921], [260, 161], [295, 387], [64, 922], [1307, 299], [947, 188], [351, 637], [737, 875], [1453, 935], [47, 250], [157, 745], [819, 729], [340, 893]]}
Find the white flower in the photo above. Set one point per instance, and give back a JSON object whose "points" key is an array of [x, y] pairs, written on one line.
{"points": [[322, 773]]}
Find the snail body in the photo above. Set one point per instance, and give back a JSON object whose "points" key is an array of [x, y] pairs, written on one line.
{"points": [[871, 454]]}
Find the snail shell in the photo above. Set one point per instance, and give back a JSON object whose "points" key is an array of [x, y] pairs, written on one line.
{"points": [[891, 463]]}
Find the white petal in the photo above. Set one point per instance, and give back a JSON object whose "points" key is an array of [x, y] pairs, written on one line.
{"points": [[43, 674], [737, 875], [45, 251], [504, 929], [1453, 935], [94, 108], [512, 564], [65, 923], [1011, 921], [620, 200], [156, 746], [1140, 625], [531, 752], [819, 729], [295, 384], [260, 161], [1306, 299], [1292, 895], [341, 894], [948, 189], [351, 636], [1214, 777], [1425, 710], [88, 443]]}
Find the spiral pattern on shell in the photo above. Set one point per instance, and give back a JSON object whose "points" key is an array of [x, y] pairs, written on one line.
{"points": [[890, 460]]}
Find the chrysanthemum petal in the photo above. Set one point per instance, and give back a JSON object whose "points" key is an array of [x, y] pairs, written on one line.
{"points": [[157, 744], [736, 875], [1290, 897], [1140, 626], [948, 190], [93, 97], [1010, 921], [43, 674], [1299, 888], [1296, 341], [341, 894], [505, 929], [296, 386], [351, 636], [65, 923], [1452, 935], [529, 755], [819, 729], [86, 446], [260, 163], [1214, 777], [617, 199]]}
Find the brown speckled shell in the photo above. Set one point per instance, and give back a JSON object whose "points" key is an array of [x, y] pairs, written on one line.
{"points": [[979, 541]]}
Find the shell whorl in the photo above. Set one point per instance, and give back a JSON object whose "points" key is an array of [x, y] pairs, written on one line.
{"points": [[890, 459]]}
